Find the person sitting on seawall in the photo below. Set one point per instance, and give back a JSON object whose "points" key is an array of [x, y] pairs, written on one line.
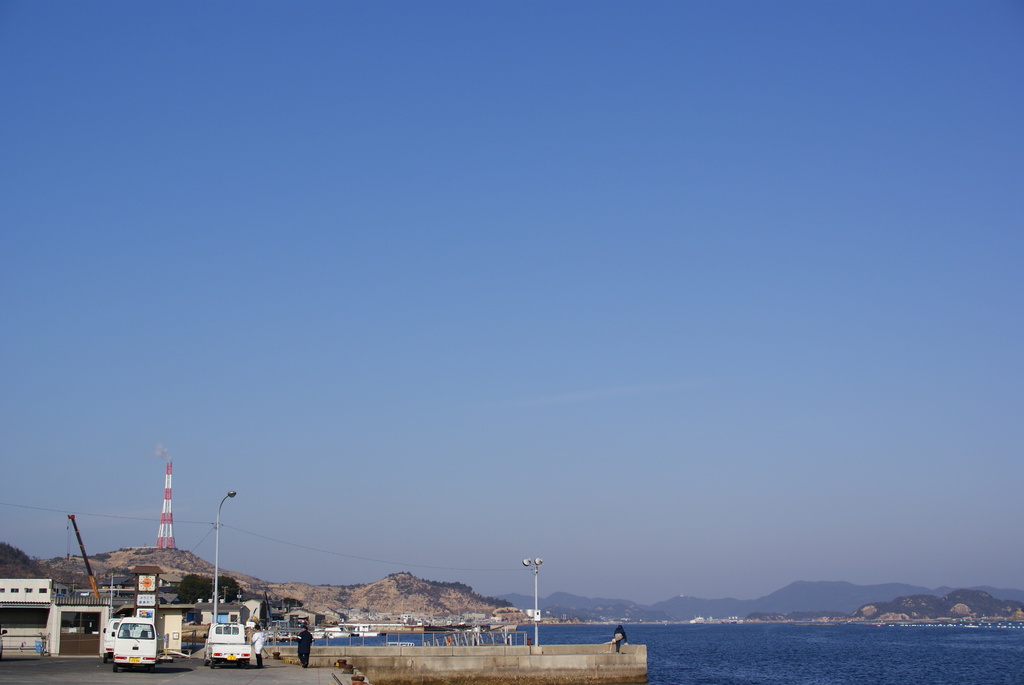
{"points": [[619, 638]]}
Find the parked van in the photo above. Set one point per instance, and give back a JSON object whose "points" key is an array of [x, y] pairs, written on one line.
{"points": [[135, 644], [109, 635], [2, 633]]}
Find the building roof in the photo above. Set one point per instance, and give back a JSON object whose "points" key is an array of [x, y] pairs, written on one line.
{"points": [[79, 601], [208, 606], [147, 569]]}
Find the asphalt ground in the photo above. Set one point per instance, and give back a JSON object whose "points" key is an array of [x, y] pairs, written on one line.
{"points": [[70, 670]]}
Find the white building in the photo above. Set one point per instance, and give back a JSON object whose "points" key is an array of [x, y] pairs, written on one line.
{"points": [[38, 614], [42, 615], [31, 589]]}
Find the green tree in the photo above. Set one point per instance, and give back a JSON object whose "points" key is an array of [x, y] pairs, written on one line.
{"points": [[194, 588], [229, 588]]}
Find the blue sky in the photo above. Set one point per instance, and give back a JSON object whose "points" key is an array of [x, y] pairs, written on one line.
{"points": [[685, 297]]}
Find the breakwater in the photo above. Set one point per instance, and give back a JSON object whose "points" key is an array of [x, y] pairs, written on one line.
{"points": [[488, 665]]}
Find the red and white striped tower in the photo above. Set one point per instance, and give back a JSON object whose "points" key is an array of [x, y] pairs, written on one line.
{"points": [[165, 538]]}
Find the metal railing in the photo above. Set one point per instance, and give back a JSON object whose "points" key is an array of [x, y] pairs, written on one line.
{"points": [[444, 638], [474, 638]]}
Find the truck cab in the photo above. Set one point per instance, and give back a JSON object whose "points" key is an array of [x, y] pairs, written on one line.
{"points": [[227, 644], [135, 644]]}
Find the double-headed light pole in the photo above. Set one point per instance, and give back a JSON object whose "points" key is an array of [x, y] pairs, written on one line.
{"points": [[216, 558], [535, 565]]}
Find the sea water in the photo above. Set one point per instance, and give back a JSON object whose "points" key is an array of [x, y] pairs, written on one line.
{"points": [[787, 654]]}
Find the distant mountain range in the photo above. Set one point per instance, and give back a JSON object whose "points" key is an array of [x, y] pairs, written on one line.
{"points": [[822, 597], [402, 592]]}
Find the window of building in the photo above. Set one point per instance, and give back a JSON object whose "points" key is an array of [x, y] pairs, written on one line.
{"points": [[30, 619], [28, 590], [14, 589], [80, 622]]}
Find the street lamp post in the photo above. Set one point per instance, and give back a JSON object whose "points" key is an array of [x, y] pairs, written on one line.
{"points": [[535, 565], [216, 558]]}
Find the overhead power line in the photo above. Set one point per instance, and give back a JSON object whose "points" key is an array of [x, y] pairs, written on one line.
{"points": [[270, 539], [108, 516], [361, 558]]}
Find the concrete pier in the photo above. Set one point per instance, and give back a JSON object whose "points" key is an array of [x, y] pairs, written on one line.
{"points": [[488, 665]]}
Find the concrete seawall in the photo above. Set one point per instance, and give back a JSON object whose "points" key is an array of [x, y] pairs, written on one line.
{"points": [[488, 665]]}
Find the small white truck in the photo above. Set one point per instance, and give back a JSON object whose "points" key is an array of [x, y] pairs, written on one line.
{"points": [[135, 644], [227, 644], [107, 642]]}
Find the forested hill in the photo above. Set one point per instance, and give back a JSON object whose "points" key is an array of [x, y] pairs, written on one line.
{"points": [[16, 564]]}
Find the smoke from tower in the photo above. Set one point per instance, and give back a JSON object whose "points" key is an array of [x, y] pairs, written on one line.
{"points": [[165, 536]]}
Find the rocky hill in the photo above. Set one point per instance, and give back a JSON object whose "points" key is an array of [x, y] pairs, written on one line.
{"points": [[959, 604], [405, 593], [119, 562], [397, 593]]}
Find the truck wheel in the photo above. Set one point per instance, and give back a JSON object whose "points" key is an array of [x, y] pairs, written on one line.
{"points": [[115, 668], [152, 668]]}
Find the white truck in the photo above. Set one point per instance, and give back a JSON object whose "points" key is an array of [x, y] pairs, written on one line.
{"points": [[107, 642], [227, 644], [135, 644]]}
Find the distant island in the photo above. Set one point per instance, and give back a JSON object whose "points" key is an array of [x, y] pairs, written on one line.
{"points": [[820, 601], [958, 605]]}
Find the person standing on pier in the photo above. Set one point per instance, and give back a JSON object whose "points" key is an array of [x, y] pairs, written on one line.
{"points": [[258, 640], [305, 645]]}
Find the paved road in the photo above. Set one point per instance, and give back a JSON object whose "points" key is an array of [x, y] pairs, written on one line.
{"points": [[25, 669]]}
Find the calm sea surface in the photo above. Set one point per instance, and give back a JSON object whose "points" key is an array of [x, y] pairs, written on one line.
{"points": [[819, 655]]}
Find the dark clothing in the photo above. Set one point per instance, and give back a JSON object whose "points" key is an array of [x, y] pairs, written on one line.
{"points": [[619, 638], [305, 645], [305, 641]]}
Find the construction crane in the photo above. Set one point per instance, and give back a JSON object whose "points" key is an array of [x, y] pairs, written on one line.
{"points": [[85, 557]]}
